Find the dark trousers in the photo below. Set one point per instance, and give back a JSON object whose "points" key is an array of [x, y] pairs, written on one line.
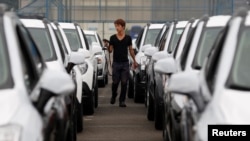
{"points": [[120, 73]]}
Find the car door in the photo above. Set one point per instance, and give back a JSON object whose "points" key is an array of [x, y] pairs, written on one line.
{"points": [[33, 68]]}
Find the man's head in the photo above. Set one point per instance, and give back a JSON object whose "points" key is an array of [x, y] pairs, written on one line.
{"points": [[120, 24]]}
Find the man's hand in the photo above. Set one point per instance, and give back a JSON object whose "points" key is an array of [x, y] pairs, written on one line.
{"points": [[135, 64]]}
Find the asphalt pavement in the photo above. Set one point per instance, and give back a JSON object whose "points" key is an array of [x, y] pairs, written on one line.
{"points": [[114, 123]]}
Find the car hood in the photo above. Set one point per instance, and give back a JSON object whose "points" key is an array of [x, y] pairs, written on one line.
{"points": [[9, 104], [227, 107]]}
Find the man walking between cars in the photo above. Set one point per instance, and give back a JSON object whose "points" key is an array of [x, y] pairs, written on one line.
{"points": [[120, 43]]}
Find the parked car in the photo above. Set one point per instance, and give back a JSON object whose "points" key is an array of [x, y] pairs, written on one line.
{"points": [[146, 38], [194, 51], [154, 95], [221, 87], [70, 61], [78, 43], [94, 39], [44, 36], [29, 89]]}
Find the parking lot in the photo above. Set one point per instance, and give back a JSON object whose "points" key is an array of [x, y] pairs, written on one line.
{"points": [[113, 123]]}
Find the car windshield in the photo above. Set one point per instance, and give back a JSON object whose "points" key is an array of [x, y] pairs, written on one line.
{"points": [[91, 39], [239, 76], [175, 37], [73, 38], [4, 63], [44, 43], [205, 44], [151, 35]]}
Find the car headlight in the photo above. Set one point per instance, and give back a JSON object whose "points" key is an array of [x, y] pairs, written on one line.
{"points": [[10, 133], [83, 68]]}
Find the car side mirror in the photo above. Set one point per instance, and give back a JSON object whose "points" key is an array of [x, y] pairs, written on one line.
{"points": [[149, 52], [53, 83], [77, 58], [187, 83], [166, 66], [96, 50], [160, 55], [85, 52], [57, 82], [143, 48]]}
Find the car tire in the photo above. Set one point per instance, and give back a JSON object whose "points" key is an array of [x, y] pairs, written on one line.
{"points": [[89, 108], [137, 92], [79, 117], [150, 108], [158, 116], [96, 94], [71, 135], [130, 88]]}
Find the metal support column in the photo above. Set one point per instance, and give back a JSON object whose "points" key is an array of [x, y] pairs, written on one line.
{"points": [[47, 9]]}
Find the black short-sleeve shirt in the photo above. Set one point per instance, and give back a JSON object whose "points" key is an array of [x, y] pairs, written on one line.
{"points": [[120, 48]]}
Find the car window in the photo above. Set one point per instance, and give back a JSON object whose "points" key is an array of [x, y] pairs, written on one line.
{"points": [[30, 57], [85, 40], [186, 48], [174, 39], [213, 60], [205, 44], [100, 40], [5, 76], [239, 76], [163, 40], [44, 43], [139, 38], [61, 44], [90, 39], [73, 38], [151, 35]]}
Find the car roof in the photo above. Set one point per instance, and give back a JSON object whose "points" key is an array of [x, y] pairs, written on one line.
{"points": [[181, 24], [89, 32], [217, 21], [67, 25], [33, 23], [156, 26]]}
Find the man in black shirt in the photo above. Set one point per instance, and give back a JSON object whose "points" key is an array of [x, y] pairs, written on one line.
{"points": [[120, 43]]}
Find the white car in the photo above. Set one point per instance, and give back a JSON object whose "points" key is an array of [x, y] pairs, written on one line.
{"points": [[78, 43], [44, 36], [145, 39], [188, 57], [94, 39], [25, 82]]}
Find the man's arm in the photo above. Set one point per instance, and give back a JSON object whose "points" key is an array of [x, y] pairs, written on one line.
{"points": [[110, 48]]}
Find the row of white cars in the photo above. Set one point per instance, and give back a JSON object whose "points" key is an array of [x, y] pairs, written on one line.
{"points": [[48, 77], [195, 74]]}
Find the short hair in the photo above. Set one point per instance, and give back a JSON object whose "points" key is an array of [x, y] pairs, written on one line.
{"points": [[120, 22]]}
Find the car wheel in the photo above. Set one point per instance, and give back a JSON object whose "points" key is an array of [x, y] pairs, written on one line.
{"points": [[71, 135], [102, 82], [130, 88], [96, 94], [158, 111], [79, 117], [150, 107], [106, 77], [158, 116], [137, 92], [89, 107]]}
